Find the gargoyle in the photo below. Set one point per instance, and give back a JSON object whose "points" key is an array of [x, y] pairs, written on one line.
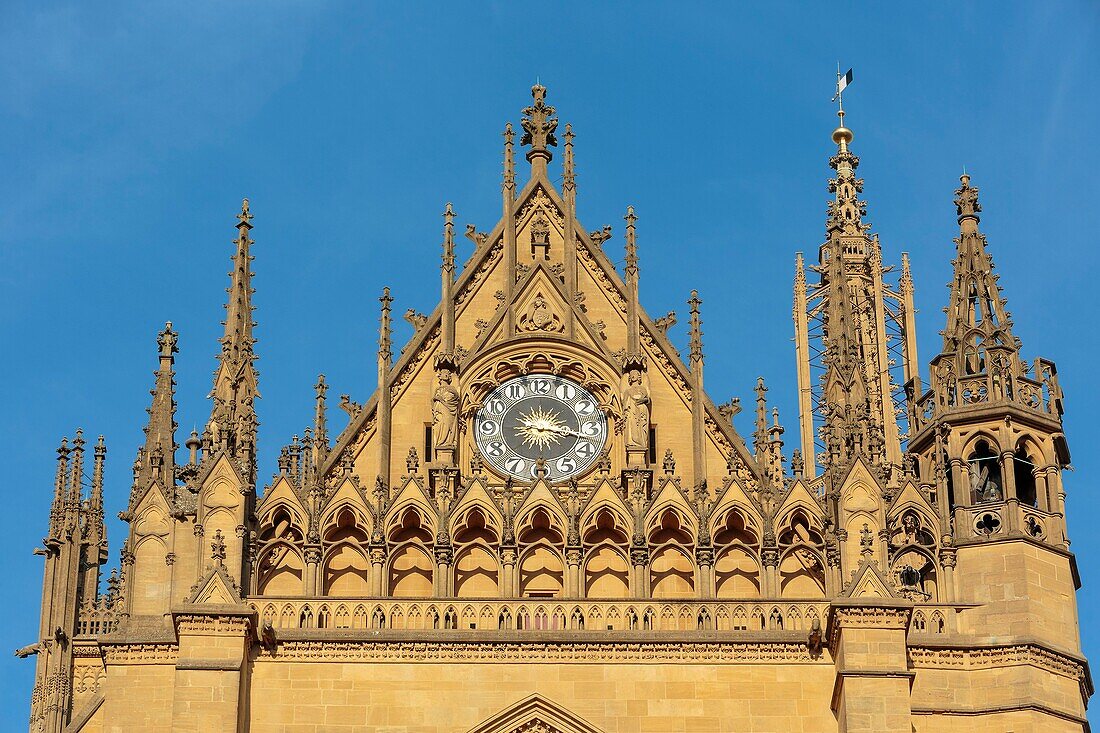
{"points": [[24, 652], [416, 319], [352, 408], [600, 236], [666, 322]]}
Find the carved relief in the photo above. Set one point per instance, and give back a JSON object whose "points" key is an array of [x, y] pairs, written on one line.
{"points": [[539, 317]]}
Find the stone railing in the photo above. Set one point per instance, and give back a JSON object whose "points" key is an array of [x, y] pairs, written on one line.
{"points": [[537, 614], [990, 518], [553, 614], [1041, 393]]}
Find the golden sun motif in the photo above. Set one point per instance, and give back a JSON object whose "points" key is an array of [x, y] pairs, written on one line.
{"points": [[541, 428]]}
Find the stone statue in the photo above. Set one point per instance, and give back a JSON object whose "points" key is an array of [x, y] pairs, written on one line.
{"points": [[636, 405], [445, 412]]}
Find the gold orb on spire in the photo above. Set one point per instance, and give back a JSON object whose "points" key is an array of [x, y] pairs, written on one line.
{"points": [[842, 135]]}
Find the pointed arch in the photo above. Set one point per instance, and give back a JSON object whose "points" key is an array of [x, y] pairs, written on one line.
{"points": [[541, 571], [476, 572], [801, 573], [345, 571], [672, 572], [280, 568], [606, 572], [411, 571]]}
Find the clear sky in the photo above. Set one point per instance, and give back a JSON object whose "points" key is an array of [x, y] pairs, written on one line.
{"points": [[128, 138]]}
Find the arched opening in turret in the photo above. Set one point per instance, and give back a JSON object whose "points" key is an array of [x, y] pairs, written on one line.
{"points": [[985, 474], [1023, 470], [975, 356]]}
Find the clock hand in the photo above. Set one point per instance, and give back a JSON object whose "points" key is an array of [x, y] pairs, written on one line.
{"points": [[566, 431]]}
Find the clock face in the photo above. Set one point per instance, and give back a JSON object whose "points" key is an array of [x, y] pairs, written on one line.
{"points": [[541, 416]]}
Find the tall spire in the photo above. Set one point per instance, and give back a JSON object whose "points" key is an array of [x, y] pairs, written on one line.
{"points": [[848, 327], [156, 460], [539, 125], [233, 416]]}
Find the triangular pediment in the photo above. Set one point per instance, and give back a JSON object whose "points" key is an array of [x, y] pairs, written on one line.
{"points": [[867, 582], [535, 714], [490, 312], [216, 587], [347, 494], [282, 493], [799, 496], [910, 497], [733, 495]]}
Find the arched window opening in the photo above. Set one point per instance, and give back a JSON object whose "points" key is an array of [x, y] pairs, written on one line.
{"points": [[1023, 469]]}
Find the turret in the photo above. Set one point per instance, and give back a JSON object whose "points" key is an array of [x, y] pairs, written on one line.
{"points": [[988, 436]]}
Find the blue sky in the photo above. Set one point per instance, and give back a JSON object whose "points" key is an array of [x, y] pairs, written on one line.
{"points": [[128, 138]]}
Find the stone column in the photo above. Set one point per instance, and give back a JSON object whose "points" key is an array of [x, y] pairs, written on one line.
{"points": [[573, 583], [770, 559], [704, 558], [947, 559], [639, 559], [310, 581], [444, 555], [378, 571], [214, 643], [509, 583], [867, 639]]}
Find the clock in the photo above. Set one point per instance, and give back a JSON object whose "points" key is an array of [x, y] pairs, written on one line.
{"points": [[541, 417]]}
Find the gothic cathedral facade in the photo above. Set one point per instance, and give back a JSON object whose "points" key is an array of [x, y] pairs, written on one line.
{"points": [[539, 522]]}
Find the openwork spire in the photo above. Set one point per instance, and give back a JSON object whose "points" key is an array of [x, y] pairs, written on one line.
{"points": [[853, 331], [980, 362], [975, 301], [539, 125], [233, 416]]}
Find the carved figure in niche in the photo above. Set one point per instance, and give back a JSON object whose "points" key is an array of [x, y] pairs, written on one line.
{"points": [[909, 527], [445, 411], [636, 406]]}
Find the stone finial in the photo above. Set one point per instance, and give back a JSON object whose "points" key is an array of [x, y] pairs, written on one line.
{"points": [[449, 239], [696, 322], [385, 331], [966, 200], [539, 125]]}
